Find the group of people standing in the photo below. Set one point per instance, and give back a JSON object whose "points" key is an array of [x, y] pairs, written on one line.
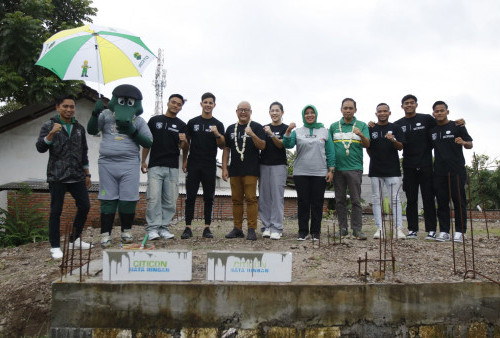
{"points": [[253, 155]]}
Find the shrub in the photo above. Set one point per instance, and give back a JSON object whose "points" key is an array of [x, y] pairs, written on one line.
{"points": [[22, 223]]}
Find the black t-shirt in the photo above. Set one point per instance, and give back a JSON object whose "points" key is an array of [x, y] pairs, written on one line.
{"points": [[203, 149], [384, 158], [448, 156], [165, 149], [417, 152], [250, 164], [272, 155]]}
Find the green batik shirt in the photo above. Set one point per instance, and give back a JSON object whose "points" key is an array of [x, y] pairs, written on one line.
{"points": [[353, 161]]}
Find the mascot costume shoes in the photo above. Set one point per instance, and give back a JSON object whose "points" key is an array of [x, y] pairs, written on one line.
{"points": [[123, 132]]}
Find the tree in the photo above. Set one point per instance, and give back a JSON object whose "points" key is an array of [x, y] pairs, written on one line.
{"points": [[484, 182], [24, 26]]}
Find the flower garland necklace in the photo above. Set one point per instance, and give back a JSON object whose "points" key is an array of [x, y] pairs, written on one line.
{"points": [[242, 151], [347, 146]]}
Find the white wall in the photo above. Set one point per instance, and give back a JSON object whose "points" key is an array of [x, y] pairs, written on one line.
{"points": [[19, 159]]}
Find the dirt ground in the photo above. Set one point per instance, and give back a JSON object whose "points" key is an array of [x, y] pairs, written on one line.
{"points": [[26, 272]]}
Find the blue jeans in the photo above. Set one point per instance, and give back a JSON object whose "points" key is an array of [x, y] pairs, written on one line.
{"points": [[163, 190], [392, 185], [81, 195]]}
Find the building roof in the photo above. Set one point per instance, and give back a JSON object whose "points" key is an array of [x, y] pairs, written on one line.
{"points": [[34, 111]]}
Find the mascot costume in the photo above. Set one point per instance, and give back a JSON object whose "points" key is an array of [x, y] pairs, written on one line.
{"points": [[123, 132]]}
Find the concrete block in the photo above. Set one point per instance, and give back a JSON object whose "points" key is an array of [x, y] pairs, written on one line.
{"points": [[199, 333], [320, 332], [432, 331], [111, 333], [147, 265], [477, 330], [282, 332], [246, 334], [249, 266]]}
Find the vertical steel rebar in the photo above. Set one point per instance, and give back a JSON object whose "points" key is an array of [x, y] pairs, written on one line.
{"points": [[460, 206], [451, 224], [382, 225], [471, 228]]}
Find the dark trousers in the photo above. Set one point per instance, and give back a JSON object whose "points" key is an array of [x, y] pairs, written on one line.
{"points": [[413, 178], [348, 179], [310, 197], [57, 191], [443, 191], [195, 175]]}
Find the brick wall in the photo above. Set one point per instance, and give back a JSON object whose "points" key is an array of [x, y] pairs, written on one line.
{"points": [[223, 208]]}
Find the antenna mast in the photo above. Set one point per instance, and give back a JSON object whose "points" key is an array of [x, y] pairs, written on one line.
{"points": [[160, 83]]}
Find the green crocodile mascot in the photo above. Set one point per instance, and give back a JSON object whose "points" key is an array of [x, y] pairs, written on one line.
{"points": [[123, 133]]}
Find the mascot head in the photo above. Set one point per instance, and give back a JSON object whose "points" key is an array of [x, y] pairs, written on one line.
{"points": [[126, 103]]}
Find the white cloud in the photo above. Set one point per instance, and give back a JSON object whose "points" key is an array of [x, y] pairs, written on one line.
{"points": [[318, 52]]}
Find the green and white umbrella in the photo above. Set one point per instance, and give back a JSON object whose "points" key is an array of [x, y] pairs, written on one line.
{"points": [[95, 53]]}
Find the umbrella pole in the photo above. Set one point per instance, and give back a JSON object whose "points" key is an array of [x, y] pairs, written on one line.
{"points": [[97, 64]]}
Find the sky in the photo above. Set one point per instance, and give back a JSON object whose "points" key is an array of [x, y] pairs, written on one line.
{"points": [[319, 52]]}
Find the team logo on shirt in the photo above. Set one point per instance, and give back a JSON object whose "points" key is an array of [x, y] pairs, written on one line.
{"points": [[434, 136], [232, 136], [196, 127], [374, 135], [404, 129], [159, 125], [174, 126], [447, 132]]}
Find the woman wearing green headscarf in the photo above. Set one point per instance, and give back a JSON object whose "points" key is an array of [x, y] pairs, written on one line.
{"points": [[313, 167]]}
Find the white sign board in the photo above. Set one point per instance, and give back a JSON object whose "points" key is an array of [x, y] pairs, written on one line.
{"points": [[147, 265], [249, 266]]}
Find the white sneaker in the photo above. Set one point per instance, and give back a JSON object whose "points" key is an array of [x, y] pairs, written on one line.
{"points": [[127, 236], [400, 234], [152, 235], [266, 233], [105, 240], [56, 253], [377, 233], [443, 237], [459, 237], [275, 235], [164, 233], [80, 245]]}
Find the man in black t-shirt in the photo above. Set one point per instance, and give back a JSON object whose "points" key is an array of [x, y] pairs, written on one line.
{"points": [[417, 167], [205, 134], [386, 139], [169, 135], [448, 139], [243, 139]]}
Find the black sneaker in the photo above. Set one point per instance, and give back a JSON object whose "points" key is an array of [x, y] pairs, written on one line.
{"points": [[251, 236], [187, 233], [315, 237], [236, 233], [207, 233], [412, 235], [302, 237]]}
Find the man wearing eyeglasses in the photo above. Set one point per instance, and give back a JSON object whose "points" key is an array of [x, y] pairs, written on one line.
{"points": [[244, 139]]}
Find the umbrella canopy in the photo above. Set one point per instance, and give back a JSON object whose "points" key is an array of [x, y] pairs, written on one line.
{"points": [[94, 53]]}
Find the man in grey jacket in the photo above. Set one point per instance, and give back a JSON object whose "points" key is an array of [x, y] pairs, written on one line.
{"points": [[67, 171]]}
